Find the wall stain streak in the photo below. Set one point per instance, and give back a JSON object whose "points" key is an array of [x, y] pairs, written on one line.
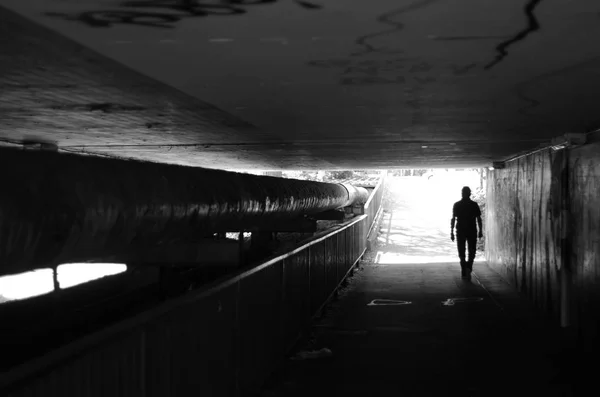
{"points": [[532, 26], [538, 190], [388, 19], [584, 205]]}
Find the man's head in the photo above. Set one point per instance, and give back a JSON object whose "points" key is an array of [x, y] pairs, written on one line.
{"points": [[466, 192]]}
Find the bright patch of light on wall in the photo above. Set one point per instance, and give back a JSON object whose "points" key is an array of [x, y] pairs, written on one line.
{"points": [[26, 285], [71, 274]]}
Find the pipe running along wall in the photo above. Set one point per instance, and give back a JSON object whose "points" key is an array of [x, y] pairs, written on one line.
{"points": [[56, 207]]}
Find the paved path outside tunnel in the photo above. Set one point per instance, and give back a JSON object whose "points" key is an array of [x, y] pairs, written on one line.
{"points": [[493, 345]]}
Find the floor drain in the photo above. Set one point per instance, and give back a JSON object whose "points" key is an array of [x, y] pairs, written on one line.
{"points": [[452, 301], [387, 302]]}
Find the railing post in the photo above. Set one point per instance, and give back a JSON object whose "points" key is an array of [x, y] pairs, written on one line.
{"points": [[55, 278], [282, 309], [237, 340]]}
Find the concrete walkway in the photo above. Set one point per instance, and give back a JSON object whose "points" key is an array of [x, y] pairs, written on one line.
{"points": [[416, 329], [490, 346]]}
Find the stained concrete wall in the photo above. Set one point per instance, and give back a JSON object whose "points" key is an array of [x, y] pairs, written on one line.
{"points": [[523, 230], [584, 186], [543, 223]]}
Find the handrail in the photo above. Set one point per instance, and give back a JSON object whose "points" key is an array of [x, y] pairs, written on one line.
{"points": [[374, 221], [310, 242], [87, 342], [375, 190], [36, 367]]}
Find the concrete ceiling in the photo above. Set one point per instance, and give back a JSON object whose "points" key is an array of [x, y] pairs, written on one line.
{"points": [[321, 84]]}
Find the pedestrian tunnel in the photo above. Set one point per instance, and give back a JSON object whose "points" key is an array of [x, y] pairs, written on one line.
{"points": [[383, 283], [129, 134]]}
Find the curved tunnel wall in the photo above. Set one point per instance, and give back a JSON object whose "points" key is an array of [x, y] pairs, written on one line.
{"points": [[61, 207]]}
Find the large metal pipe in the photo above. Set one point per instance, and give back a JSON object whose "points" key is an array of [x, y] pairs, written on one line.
{"points": [[56, 208], [356, 195]]}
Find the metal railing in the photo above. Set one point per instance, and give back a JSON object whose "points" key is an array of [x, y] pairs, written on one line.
{"points": [[373, 204], [222, 340]]}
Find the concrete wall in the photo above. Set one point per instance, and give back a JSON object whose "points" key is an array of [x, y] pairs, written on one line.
{"points": [[584, 186], [543, 222]]}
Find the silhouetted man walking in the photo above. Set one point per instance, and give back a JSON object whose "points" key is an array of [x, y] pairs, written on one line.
{"points": [[466, 212]]}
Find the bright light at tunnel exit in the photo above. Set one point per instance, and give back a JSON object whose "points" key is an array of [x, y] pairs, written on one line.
{"points": [[39, 282], [415, 228]]}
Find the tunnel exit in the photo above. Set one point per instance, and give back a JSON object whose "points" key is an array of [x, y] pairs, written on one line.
{"points": [[415, 227]]}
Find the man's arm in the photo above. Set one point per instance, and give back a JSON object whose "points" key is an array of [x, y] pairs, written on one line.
{"points": [[452, 222], [479, 223]]}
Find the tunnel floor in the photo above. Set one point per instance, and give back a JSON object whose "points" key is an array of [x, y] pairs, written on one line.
{"points": [[402, 328], [493, 345]]}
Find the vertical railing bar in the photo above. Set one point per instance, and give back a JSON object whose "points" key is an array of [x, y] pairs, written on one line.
{"points": [[282, 311], [308, 265], [237, 338]]}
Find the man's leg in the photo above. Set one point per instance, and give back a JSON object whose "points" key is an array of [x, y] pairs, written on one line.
{"points": [[472, 243], [460, 244]]}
